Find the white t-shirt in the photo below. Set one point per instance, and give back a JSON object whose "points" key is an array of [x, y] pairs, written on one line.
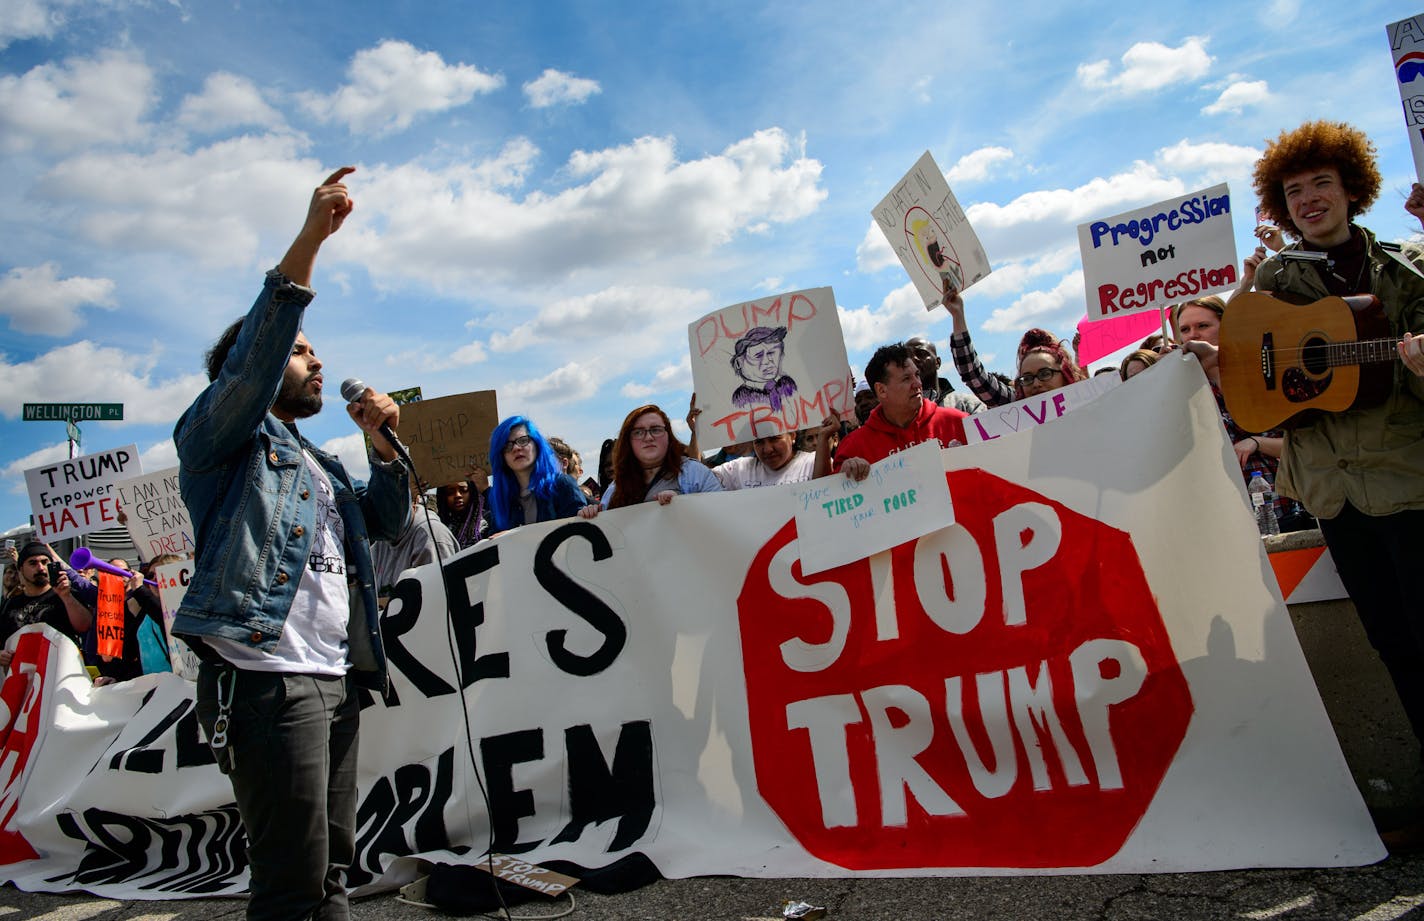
{"points": [[749, 472], [313, 640]]}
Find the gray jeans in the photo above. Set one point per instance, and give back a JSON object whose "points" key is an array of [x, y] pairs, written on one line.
{"points": [[293, 740]]}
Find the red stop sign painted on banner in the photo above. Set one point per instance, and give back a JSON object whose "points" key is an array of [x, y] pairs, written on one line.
{"points": [[1001, 693]]}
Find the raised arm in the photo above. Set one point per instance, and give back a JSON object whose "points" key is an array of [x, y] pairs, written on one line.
{"points": [[966, 361]]}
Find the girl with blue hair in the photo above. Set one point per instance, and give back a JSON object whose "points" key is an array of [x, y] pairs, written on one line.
{"points": [[527, 483]]}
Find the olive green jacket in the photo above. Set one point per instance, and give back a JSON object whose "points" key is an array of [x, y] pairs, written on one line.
{"points": [[1371, 457]]}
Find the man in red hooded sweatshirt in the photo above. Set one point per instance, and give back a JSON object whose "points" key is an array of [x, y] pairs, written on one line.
{"points": [[903, 419]]}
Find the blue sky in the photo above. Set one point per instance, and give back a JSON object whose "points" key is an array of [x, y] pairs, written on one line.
{"points": [[547, 194]]}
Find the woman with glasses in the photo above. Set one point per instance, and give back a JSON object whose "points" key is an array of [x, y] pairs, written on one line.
{"points": [[527, 482], [649, 464], [1044, 364]]}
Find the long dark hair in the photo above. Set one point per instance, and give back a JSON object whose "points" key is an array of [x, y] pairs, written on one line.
{"points": [[629, 485]]}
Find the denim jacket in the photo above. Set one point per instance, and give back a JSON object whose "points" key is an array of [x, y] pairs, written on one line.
{"points": [[249, 495]]}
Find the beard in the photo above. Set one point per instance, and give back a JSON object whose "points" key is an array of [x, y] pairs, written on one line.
{"points": [[296, 400]]}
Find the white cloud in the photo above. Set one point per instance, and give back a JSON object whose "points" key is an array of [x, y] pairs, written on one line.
{"points": [[1039, 307], [1208, 161], [37, 300], [1012, 277], [975, 165], [770, 284], [164, 201], [85, 372], [873, 253], [631, 203], [1046, 220], [555, 87], [901, 314], [1238, 96], [79, 103], [159, 456], [676, 376], [1149, 66], [389, 85], [567, 384], [14, 472], [227, 101], [22, 19], [629, 313], [352, 451]]}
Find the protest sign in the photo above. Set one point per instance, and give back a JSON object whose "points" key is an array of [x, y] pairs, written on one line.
{"points": [[448, 435], [172, 579], [76, 496], [925, 226], [109, 616], [1031, 412], [154, 513], [1046, 686], [1162, 254], [840, 520], [1104, 337], [1406, 45], [769, 366]]}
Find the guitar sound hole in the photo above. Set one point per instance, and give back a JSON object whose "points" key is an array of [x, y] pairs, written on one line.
{"points": [[1314, 357]]}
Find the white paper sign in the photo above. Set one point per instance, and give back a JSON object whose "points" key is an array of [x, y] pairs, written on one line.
{"points": [[1406, 45], [769, 366], [1032, 412], [840, 520], [927, 229], [155, 515], [172, 581], [1162, 254], [76, 496]]}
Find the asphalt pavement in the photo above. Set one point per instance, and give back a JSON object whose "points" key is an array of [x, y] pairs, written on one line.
{"points": [[1388, 890]]}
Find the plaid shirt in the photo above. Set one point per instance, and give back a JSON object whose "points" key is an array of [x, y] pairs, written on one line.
{"points": [[985, 386]]}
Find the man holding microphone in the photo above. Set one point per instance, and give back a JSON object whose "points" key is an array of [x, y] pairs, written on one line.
{"points": [[282, 602]]}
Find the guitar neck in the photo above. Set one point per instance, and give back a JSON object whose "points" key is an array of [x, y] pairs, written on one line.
{"points": [[1361, 351]]}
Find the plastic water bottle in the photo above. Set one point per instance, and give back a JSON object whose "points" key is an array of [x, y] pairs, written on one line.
{"points": [[1263, 503]]}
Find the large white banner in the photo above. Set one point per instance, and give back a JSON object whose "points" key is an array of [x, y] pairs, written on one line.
{"points": [[1050, 685], [1161, 254]]}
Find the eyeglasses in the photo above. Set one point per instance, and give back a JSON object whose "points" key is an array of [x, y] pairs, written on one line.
{"points": [[523, 441], [1042, 374], [652, 431]]}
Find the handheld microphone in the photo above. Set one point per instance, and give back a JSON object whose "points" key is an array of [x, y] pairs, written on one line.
{"points": [[83, 558], [352, 390]]}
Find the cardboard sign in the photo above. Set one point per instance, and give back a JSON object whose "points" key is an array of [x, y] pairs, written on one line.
{"points": [[448, 435], [840, 520], [1032, 412], [769, 366], [1406, 45], [1165, 253], [400, 398], [526, 874], [172, 579], [927, 229], [76, 496], [154, 513]]}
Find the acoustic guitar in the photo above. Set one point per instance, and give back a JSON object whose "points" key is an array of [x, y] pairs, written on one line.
{"points": [[1283, 363]]}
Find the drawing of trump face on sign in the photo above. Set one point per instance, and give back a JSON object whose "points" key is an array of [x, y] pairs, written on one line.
{"points": [[757, 360], [768, 367]]}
